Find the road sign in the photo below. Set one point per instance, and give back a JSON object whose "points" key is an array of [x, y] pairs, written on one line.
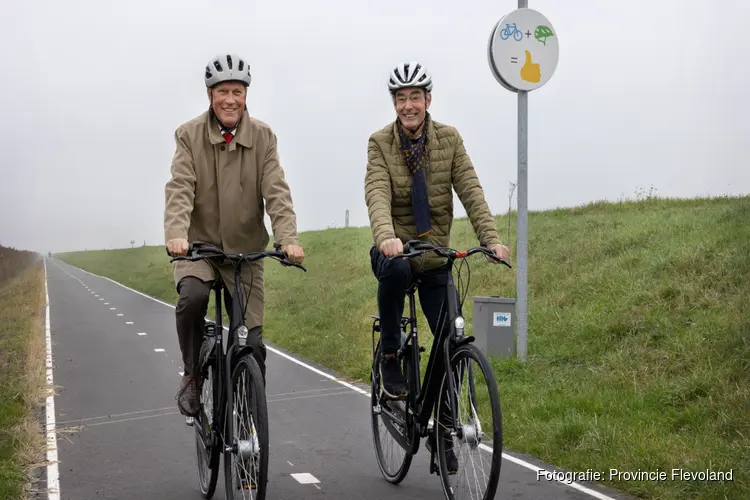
{"points": [[523, 53], [523, 50]]}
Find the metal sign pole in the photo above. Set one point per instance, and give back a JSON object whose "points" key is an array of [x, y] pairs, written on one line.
{"points": [[522, 230], [522, 60]]}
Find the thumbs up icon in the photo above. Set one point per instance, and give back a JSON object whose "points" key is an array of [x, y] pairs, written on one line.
{"points": [[530, 71]]}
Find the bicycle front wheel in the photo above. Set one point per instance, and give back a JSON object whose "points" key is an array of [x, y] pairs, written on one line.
{"points": [[478, 447], [246, 464]]}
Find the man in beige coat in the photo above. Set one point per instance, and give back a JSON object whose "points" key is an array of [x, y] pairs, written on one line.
{"points": [[225, 166], [413, 165]]}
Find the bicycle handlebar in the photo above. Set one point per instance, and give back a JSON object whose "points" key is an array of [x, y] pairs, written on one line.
{"points": [[414, 248], [199, 250]]}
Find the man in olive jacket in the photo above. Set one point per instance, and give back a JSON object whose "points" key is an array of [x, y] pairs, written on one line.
{"points": [[225, 165], [413, 165]]}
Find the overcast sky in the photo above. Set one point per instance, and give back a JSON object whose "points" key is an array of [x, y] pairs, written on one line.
{"points": [[646, 93]]}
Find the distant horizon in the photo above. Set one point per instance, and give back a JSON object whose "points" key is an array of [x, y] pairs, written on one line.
{"points": [[462, 217]]}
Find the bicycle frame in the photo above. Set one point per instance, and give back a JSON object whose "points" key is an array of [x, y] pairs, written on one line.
{"points": [[224, 355], [237, 344], [427, 390]]}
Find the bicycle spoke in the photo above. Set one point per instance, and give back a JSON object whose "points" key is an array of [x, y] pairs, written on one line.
{"points": [[245, 436]]}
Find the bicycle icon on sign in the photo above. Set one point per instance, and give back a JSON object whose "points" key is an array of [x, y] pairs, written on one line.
{"points": [[515, 33]]}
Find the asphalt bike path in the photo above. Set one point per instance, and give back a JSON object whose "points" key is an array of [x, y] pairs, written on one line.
{"points": [[117, 366]]}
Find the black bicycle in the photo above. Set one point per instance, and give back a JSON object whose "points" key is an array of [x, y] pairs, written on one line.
{"points": [[239, 440], [436, 399]]}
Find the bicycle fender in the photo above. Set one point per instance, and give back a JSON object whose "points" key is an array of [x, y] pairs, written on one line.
{"points": [[240, 351], [465, 340]]}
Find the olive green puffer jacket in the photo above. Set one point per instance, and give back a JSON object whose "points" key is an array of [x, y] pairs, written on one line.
{"points": [[388, 190]]}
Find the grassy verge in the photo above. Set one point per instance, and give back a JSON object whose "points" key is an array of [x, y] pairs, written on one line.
{"points": [[22, 377], [638, 332]]}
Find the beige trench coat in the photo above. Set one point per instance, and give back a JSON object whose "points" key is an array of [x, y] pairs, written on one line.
{"points": [[216, 194]]}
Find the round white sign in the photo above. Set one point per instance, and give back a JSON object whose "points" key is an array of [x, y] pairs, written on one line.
{"points": [[523, 50]]}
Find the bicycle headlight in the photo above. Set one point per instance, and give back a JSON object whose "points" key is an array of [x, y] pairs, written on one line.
{"points": [[459, 322], [242, 332]]}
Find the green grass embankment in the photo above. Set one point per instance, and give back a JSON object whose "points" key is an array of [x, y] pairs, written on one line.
{"points": [[22, 366]]}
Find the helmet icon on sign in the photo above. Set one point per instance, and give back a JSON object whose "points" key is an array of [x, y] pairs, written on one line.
{"points": [[541, 33]]}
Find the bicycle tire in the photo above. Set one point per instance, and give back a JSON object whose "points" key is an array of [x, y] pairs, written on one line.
{"points": [[400, 474], [208, 485], [472, 352], [260, 419]]}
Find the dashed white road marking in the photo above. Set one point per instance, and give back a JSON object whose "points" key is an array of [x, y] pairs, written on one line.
{"points": [[112, 308], [103, 299], [141, 333], [119, 314], [305, 478], [510, 458], [181, 373], [128, 322], [158, 349], [290, 463]]}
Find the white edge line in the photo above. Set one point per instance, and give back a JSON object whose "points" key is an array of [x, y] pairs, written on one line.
{"points": [[53, 472], [510, 458]]}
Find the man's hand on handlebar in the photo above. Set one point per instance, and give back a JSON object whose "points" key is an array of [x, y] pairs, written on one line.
{"points": [[501, 251], [294, 253], [391, 247], [178, 247]]}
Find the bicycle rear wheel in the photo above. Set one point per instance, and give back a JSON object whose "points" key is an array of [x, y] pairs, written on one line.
{"points": [[207, 444], [246, 465], [479, 450], [393, 459]]}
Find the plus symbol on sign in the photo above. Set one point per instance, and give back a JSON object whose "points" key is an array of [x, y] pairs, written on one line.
{"points": [[528, 33]]}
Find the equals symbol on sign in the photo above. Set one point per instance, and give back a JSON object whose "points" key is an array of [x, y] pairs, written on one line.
{"points": [[514, 60]]}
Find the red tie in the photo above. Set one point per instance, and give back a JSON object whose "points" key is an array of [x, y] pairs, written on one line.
{"points": [[228, 136]]}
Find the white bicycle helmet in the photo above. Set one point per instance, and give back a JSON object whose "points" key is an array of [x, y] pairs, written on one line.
{"points": [[227, 67], [411, 74]]}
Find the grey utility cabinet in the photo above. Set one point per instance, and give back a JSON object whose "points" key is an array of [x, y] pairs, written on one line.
{"points": [[494, 326]]}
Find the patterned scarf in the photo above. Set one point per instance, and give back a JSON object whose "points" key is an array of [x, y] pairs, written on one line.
{"points": [[417, 158]]}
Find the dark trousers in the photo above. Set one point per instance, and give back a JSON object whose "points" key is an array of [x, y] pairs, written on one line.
{"points": [[394, 278], [190, 314]]}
